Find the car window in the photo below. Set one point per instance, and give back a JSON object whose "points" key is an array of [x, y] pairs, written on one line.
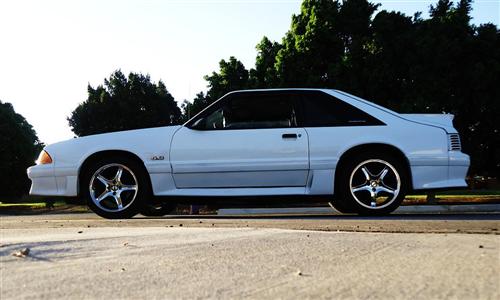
{"points": [[215, 120], [323, 110], [254, 111]]}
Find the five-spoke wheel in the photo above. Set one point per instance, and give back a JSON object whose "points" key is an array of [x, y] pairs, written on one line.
{"points": [[116, 187], [113, 187], [371, 183], [375, 183]]}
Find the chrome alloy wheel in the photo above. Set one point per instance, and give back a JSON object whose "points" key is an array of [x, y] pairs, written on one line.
{"points": [[375, 191], [113, 187]]}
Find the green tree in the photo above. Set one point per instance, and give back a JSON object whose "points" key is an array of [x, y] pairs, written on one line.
{"points": [[232, 76], [354, 22], [456, 70], [190, 109], [124, 103], [389, 59], [314, 34], [19, 147], [326, 45], [265, 75]]}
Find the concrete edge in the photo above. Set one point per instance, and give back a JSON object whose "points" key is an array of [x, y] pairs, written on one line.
{"points": [[414, 209]]}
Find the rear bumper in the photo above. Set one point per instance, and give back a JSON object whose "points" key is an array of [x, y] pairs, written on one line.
{"points": [[447, 176], [44, 181]]}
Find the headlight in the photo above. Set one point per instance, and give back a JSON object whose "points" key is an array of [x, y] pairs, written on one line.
{"points": [[44, 158]]}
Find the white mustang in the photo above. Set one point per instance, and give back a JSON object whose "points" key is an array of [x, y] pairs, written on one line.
{"points": [[261, 143]]}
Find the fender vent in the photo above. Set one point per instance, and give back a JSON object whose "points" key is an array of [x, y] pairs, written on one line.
{"points": [[454, 142]]}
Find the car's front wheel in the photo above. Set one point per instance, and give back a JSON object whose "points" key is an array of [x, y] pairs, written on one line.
{"points": [[372, 184], [115, 188]]}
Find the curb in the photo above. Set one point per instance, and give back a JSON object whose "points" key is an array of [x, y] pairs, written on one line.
{"points": [[410, 209]]}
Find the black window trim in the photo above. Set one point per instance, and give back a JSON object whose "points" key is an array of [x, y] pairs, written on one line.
{"points": [[298, 98]]}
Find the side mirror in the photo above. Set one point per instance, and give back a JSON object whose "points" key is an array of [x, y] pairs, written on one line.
{"points": [[199, 124]]}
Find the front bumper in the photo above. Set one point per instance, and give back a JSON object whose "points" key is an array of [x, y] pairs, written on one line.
{"points": [[45, 181]]}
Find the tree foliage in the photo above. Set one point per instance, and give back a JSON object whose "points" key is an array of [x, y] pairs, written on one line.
{"points": [[232, 76], [19, 147], [190, 109], [265, 74], [124, 103]]}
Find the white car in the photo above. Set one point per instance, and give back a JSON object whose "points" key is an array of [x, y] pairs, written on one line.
{"points": [[262, 143]]}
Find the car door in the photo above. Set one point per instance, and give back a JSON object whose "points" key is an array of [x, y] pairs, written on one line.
{"points": [[244, 140]]}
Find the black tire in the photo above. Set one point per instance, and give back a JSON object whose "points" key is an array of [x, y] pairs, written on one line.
{"points": [[158, 210], [358, 196], [341, 207], [131, 205]]}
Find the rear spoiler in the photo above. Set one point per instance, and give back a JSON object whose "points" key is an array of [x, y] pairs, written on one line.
{"points": [[434, 119]]}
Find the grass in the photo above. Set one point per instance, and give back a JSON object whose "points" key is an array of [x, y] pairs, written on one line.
{"points": [[456, 196], [452, 199], [461, 192], [470, 193], [32, 205]]}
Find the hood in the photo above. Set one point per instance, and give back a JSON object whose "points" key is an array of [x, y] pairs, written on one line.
{"points": [[142, 142], [444, 121], [123, 134]]}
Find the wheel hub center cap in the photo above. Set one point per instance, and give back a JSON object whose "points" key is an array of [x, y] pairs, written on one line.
{"points": [[374, 184]]}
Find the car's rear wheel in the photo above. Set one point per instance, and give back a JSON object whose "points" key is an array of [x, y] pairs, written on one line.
{"points": [[116, 187], [372, 184]]}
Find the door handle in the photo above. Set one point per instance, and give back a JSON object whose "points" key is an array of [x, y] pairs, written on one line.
{"points": [[289, 136]]}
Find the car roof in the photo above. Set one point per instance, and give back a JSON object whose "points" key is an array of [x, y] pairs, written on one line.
{"points": [[332, 92], [278, 90]]}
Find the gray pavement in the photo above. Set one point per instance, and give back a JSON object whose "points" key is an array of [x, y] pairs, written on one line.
{"points": [[75, 256]]}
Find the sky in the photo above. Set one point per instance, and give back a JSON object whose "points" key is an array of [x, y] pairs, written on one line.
{"points": [[51, 50]]}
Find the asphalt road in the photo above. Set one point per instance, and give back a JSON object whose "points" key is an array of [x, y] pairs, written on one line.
{"points": [[400, 256]]}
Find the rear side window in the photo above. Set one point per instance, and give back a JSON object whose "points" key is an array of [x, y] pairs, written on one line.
{"points": [[322, 110]]}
